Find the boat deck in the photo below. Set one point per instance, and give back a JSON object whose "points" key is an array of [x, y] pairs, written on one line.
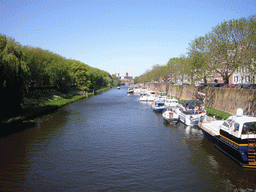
{"points": [[211, 127]]}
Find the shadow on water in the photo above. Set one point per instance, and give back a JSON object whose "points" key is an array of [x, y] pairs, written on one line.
{"points": [[231, 174], [112, 142]]}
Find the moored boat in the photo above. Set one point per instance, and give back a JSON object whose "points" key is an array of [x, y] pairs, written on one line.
{"points": [[130, 90], [151, 96], [192, 113], [143, 97], [136, 90], [171, 115], [158, 106], [236, 137], [171, 102]]}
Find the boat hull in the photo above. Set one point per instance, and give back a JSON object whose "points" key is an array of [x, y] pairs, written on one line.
{"points": [[171, 120], [236, 149], [209, 136], [191, 120], [159, 109]]}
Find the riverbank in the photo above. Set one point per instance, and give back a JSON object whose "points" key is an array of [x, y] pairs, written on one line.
{"points": [[33, 108], [211, 112], [221, 98]]}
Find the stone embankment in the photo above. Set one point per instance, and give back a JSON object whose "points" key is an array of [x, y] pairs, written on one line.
{"points": [[224, 99]]}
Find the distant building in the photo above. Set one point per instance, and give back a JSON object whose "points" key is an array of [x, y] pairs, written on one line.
{"points": [[125, 79]]}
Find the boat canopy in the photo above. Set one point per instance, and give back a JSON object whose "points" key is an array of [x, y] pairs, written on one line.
{"points": [[193, 102], [159, 103]]}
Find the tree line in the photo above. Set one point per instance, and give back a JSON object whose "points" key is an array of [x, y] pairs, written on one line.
{"points": [[19, 65], [229, 46]]}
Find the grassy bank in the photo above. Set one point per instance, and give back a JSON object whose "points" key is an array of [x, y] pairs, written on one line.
{"points": [[33, 108], [217, 113]]}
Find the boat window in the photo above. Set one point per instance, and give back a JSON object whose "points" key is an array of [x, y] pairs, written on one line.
{"points": [[249, 128], [227, 123], [236, 127]]}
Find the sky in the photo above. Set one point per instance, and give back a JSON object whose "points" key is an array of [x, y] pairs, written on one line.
{"points": [[117, 36]]}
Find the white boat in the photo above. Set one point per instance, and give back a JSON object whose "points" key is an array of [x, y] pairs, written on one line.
{"points": [[192, 113], [158, 106], [236, 137], [118, 87], [161, 98], [171, 102], [130, 90], [151, 96], [143, 97], [171, 115], [136, 90]]}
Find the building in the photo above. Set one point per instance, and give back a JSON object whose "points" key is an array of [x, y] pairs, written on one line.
{"points": [[125, 80]]}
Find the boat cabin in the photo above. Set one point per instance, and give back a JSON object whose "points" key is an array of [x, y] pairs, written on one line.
{"points": [[159, 103], [240, 126]]}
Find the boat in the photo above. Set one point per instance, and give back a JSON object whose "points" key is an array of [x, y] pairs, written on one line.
{"points": [[151, 96], [160, 98], [171, 115], [171, 102], [192, 112], [158, 106], [236, 137], [136, 90], [130, 90], [143, 97], [118, 87]]}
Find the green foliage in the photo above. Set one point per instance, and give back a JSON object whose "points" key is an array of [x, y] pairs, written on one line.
{"points": [[115, 80], [20, 65], [80, 72], [136, 80], [12, 75], [228, 46], [217, 113]]}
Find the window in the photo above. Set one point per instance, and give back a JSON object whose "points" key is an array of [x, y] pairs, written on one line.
{"points": [[235, 78], [249, 128], [247, 79], [227, 123], [236, 127]]}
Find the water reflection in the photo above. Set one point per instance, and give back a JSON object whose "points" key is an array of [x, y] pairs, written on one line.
{"points": [[113, 142], [20, 150], [231, 174]]}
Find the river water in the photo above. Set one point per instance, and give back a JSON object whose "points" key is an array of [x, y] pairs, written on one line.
{"points": [[112, 142]]}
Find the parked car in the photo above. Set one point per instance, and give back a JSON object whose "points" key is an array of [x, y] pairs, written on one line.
{"points": [[210, 84], [251, 86], [244, 86], [218, 85], [184, 84], [233, 85], [201, 85]]}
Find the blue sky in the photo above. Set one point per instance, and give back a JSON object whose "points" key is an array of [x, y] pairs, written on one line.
{"points": [[115, 35]]}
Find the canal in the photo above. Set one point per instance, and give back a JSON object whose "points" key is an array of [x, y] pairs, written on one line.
{"points": [[112, 142]]}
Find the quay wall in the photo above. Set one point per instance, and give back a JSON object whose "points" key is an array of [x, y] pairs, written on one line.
{"points": [[220, 98]]}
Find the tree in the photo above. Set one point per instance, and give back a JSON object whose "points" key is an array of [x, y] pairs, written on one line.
{"points": [[197, 63], [12, 75], [227, 46], [81, 73], [115, 80], [251, 40]]}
